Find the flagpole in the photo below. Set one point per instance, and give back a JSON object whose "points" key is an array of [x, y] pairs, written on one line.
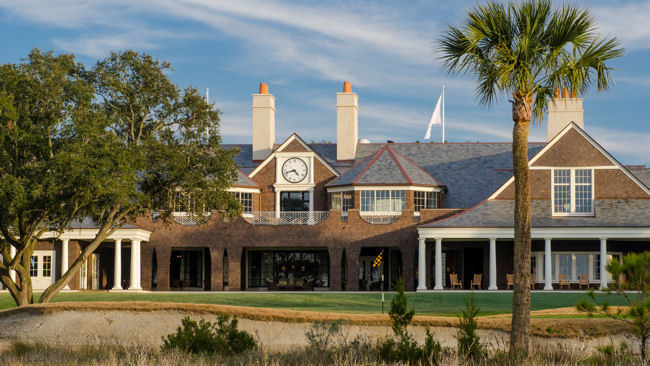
{"points": [[443, 113]]}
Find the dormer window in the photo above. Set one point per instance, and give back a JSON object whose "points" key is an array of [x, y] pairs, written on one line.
{"points": [[424, 200], [245, 201], [573, 193]]}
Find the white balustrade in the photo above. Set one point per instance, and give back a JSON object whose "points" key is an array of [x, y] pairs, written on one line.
{"points": [[381, 218], [286, 217]]}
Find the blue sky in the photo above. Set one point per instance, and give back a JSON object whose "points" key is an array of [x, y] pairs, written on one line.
{"points": [[305, 50]]}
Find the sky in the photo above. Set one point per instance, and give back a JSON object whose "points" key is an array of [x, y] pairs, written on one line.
{"points": [[305, 50]]}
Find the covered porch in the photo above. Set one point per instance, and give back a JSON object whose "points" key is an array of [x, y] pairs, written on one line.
{"points": [[561, 258]]}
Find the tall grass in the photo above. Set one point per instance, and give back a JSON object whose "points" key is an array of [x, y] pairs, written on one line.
{"points": [[566, 353]]}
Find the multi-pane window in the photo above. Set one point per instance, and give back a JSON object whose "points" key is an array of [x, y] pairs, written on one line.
{"points": [[583, 189], [424, 200], [245, 201], [33, 266], [341, 201], [572, 191], [181, 202], [382, 201], [47, 266]]}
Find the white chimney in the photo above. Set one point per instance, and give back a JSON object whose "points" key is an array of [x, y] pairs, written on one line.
{"points": [[263, 123], [562, 110], [347, 123]]}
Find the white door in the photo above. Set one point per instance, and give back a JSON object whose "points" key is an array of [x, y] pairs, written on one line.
{"points": [[41, 268]]}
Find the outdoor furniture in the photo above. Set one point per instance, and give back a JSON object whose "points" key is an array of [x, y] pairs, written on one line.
{"points": [[510, 279], [564, 282], [282, 284], [455, 283], [299, 283], [308, 285], [273, 286], [291, 284], [584, 281], [478, 279]]}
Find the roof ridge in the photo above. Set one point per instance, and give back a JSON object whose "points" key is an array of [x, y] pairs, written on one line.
{"points": [[419, 167], [399, 166], [377, 155], [363, 161]]}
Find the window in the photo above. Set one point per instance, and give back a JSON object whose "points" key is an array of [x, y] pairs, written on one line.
{"points": [[294, 201], [596, 267], [181, 202], [342, 201], [33, 266], [47, 266], [582, 265], [572, 191], [245, 201], [424, 200], [382, 201], [565, 265]]}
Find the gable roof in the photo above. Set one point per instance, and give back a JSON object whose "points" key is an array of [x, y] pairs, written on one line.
{"points": [[293, 138], [385, 167], [470, 171], [574, 127]]}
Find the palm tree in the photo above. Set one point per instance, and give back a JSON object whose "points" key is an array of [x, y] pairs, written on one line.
{"points": [[526, 50]]}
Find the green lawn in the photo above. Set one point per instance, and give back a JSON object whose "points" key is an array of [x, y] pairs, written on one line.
{"points": [[447, 303]]}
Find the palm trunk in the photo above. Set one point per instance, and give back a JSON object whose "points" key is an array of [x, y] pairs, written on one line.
{"points": [[520, 335]]}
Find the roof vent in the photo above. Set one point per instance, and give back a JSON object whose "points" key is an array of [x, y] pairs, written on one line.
{"points": [[390, 141], [364, 141]]}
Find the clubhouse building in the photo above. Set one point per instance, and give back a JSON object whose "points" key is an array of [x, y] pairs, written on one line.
{"points": [[315, 216]]}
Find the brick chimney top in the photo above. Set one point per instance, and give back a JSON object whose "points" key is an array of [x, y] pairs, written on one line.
{"points": [[565, 93], [264, 89], [347, 88]]}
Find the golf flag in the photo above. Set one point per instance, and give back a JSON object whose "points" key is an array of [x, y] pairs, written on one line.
{"points": [[436, 118]]}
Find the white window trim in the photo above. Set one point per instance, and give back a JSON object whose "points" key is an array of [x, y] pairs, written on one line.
{"points": [[375, 188], [434, 198], [340, 199], [572, 191], [387, 213]]}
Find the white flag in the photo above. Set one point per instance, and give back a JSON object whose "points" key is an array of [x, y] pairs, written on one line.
{"points": [[436, 119]]}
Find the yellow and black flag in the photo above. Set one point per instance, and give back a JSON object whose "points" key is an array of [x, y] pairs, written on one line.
{"points": [[377, 262]]}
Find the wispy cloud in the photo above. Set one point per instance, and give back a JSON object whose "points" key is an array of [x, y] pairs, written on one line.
{"points": [[628, 22]]}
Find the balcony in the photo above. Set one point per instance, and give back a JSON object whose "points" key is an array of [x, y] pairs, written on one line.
{"points": [[380, 218], [286, 217], [184, 218]]}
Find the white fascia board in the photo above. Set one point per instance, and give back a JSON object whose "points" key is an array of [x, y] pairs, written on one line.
{"points": [[90, 234], [537, 233], [279, 152], [243, 190], [293, 187], [379, 188], [607, 167], [593, 142]]}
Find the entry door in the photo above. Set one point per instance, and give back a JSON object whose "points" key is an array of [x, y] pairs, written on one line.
{"points": [[41, 269]]}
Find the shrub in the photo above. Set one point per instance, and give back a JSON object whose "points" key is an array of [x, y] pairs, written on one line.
{"points": [[322, 333], [221, 338], [469, 343], [405, 348]]}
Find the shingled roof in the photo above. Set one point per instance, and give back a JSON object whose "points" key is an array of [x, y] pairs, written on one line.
{"points": [[500, 214], [244, 181], [385, 167]]}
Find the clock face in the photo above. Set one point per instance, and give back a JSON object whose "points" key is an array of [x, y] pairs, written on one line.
{"points": [[294, 170]]}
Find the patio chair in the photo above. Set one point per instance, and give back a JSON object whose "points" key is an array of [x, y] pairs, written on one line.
{"points": [[455, 283], [510, 279], [564, 282], [282, 284], [273, 286], [477, 281], [308, 285], [299, 283], [584, 281]]}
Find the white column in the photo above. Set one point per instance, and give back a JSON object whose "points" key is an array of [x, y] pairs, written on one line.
{"points": [[438, 279], [277, 203], [12, 254], [311, 205], [117, 266], [548, 266], [135, 265], [603, 263], [64, 259], [422, 265], [493, 264]]}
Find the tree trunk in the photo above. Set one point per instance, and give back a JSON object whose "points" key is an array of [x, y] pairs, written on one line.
{"points": [[520, 334]]}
